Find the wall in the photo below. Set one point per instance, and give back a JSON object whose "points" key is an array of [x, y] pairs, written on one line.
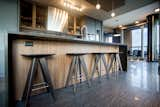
{"points": [[9, 15], [107, 30], [93, 25], [128, 38], [8, 23]]}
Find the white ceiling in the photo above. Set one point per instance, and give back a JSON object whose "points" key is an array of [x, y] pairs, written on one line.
{"points": [[130, 17]]}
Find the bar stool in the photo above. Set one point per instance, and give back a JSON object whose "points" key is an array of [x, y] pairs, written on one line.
{"points": [[115, 62], [98, 57], [76, 66], [29, 86]]}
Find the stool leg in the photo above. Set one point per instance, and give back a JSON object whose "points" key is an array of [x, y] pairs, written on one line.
{"points": [[46, 76], [29, 81], [119, 61], [114, 63], [105, 64], [97, 58], [116, 67], [99, 67], [80, 70], [75, 75], [111, 62], [85, 69], [69, 77]]}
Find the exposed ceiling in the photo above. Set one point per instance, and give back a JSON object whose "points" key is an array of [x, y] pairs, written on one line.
{"points": [[107, 4], [122, 8], [132, 16]]}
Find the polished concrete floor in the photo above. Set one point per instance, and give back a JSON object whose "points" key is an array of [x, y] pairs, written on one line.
{"points": [[139, 87]]}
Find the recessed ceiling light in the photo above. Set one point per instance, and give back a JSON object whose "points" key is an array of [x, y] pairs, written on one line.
{"points": [[136, 98], [113, 14], [120, 26], [136, 22], [157, 10], [80, 9]]}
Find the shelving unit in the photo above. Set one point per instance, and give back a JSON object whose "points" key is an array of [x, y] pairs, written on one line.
{"points": [[74, 25], [41, 17], [32, 16], [26, 14]]}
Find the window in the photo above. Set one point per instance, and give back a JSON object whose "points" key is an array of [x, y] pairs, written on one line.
{"points": [[145, 36], [110, 39], [136, 39]]}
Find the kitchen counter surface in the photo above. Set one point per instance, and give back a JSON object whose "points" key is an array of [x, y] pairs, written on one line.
{"points": [[56, 36]]}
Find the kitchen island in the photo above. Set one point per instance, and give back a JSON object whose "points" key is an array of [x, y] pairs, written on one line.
{"points": [[41, 43]]}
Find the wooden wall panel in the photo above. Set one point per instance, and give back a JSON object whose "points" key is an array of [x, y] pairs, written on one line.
{"points": [[58, 64]]}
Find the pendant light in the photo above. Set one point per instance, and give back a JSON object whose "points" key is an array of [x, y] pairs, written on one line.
{"points": [[112, 14], [98, 6]]}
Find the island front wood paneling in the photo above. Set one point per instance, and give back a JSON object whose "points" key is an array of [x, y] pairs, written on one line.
{"points": [[58, 64]]}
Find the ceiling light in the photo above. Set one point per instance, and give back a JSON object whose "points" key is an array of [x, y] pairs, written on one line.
{"points": [[98, 6], [113, 14], [120, 26], [157, 10], [116, 35], [80, 9], [136, 22], [65, 4], [136, 98]]}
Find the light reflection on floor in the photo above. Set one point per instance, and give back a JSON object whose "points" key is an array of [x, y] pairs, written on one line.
{"points": [[144, 75]]}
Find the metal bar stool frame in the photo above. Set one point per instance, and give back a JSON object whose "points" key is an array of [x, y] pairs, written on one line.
{"points": [[99, 57], [77, 66], [37, 58], [115, 63]]}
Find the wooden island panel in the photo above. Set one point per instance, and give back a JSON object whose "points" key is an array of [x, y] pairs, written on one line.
{"points": [[58, 64]]}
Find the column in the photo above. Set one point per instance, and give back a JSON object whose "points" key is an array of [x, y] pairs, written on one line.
{"points": [[153, 37], [122, 36]]}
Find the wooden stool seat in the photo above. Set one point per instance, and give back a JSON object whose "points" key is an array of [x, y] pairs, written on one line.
{"points": [[99, 52], [37, 55], [29, 86], [76, 54], [114, 52], [77, 66]]}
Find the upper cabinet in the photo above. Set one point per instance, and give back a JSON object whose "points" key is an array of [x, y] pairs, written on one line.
{"points": [[32, 16]]}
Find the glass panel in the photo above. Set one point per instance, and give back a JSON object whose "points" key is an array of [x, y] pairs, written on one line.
{"points": [[145, 37], [136, 39], [110, 39]]}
